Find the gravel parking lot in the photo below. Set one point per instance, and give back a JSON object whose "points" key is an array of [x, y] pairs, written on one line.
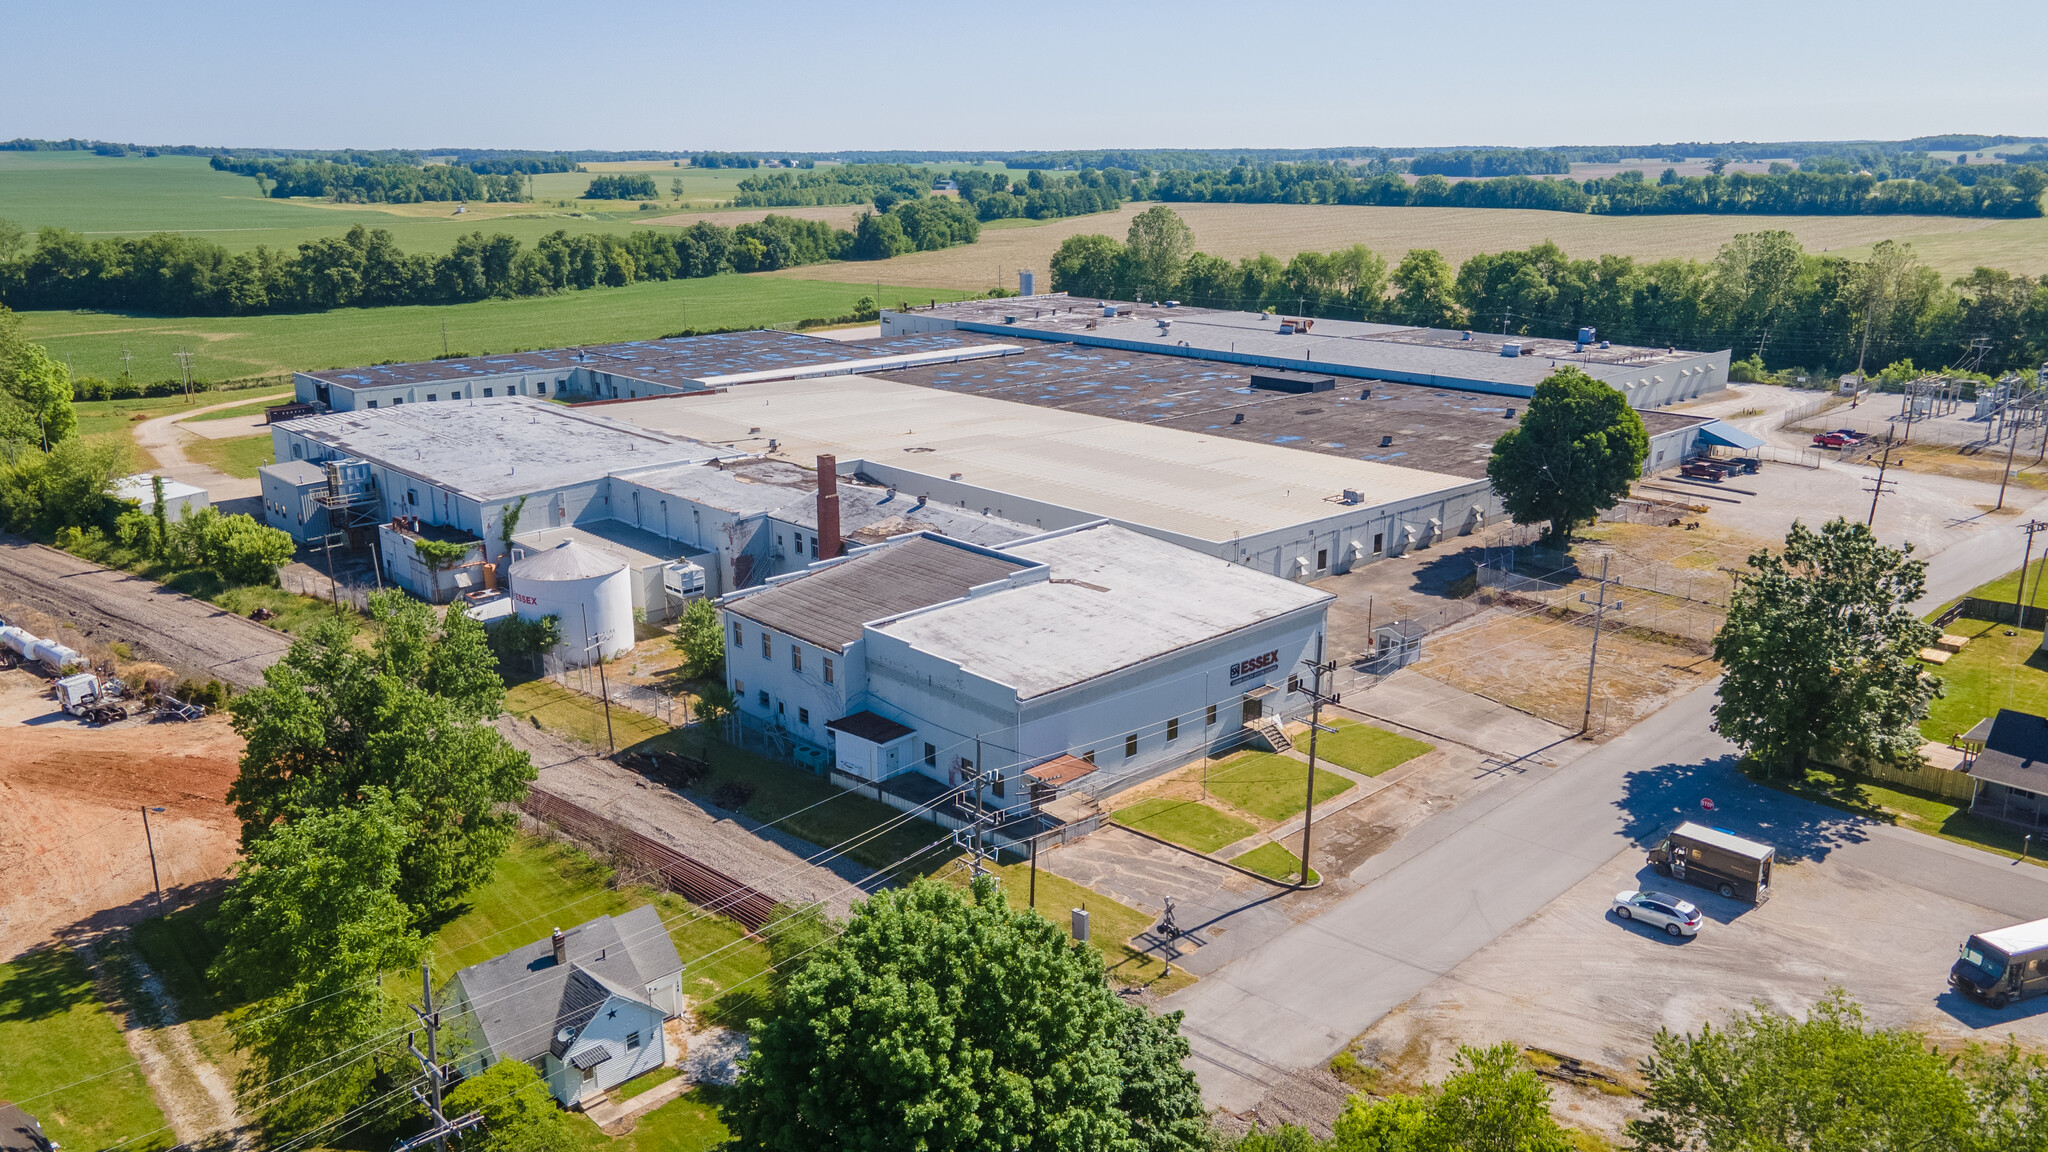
{"points": [[1863, 911]]}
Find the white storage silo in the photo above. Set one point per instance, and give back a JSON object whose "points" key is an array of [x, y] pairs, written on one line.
{"points": [[583, 588]]}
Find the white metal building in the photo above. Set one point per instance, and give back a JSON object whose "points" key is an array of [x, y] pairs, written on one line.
{"points": [[930, 655], [180, 499]]}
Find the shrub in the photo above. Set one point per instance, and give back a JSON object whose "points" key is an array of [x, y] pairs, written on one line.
{"points": [[236, 548], [69, 486]]}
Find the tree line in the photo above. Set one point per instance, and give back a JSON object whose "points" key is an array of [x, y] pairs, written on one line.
{"points": [[622, 186], [373, 184], [992, 195], [2005, 190], [173, 274], [1762, 295]]}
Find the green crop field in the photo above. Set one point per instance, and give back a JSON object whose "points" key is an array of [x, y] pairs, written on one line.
{"points": [[233, 346]]}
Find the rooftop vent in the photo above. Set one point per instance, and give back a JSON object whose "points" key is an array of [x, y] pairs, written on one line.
{"points": [[1386, 441], [1237, 419], [1508, 415], [1365, 395], [1511, 349]]}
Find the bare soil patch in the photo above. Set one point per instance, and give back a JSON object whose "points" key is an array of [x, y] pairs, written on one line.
{"points": [[71, 838], [1537, 663]]}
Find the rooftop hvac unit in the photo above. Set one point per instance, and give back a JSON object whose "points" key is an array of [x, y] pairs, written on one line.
{"points": [[1386, 441], [1353, 496], [347, 477], [1165, 325], [1109, 309], [1173, 303], [683, 578], [1511, 350], [1508, 414], [1586, 335]]}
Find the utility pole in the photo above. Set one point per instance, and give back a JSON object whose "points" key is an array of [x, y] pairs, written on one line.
{"points": [[185, 362], [444, 339], [150, 840], [2019, 609], [1315, 727], [126, 356], [1877, 488], [604, 688], [1600, 608], [442, 1128], [2009, 451]]}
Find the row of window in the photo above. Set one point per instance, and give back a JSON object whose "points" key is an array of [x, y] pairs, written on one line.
{"points": [[796, 651], [540, 389]]}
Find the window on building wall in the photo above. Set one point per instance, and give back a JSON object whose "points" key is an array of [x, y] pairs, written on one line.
{"points": [[412, 496], [1379, 539], [487, 392], [298, 451], [767, 646], [540, 389], [998, 785], [1130, 745], [803, 716], [1322, 559], [433, 396], [1211, 721], [796, 658], [737, 638], [764, 697], [1089, 755], [373, 403], [739, 688], [931, 756], [1172, 729], [814, 547], [1294, 683], [828, 670], [397, 400], [782, 707], [632, 1041]]}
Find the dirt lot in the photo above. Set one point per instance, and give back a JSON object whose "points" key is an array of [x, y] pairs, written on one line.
{"points": [[71, 839], [1577, 981], [191, 636]]}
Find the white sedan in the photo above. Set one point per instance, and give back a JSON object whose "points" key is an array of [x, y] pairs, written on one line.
{"points": [[1659, 910]]}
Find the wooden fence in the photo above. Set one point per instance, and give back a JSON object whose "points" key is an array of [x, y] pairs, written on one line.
{"points": [[697, 882], [1996, 611]]}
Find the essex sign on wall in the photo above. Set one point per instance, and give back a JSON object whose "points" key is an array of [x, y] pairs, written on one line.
{"points": [[1254, 668]]}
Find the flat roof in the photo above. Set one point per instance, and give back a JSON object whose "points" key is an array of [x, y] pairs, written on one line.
{"points": [[1200, 485], [1344, 347], [496, 449], [638, 547], [745, 487], [674, 360], [1441, 429], [827, 605], [1116, 598], [869, 514], [296, 472]]}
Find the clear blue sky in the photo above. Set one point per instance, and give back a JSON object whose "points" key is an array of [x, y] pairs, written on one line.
{"points": [[748, 74]]}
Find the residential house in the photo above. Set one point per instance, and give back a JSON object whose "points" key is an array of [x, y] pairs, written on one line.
{"points": [[584, 1007], [2012, 769]]}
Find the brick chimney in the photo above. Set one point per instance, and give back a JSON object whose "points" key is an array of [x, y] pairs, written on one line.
{"points": [[829, 543], [561, 948]]}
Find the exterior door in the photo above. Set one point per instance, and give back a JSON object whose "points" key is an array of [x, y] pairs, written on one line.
{"points": [[1678, 862], [1253, 709]]}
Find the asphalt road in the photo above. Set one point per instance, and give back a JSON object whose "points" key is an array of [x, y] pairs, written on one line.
{"points": [[1462, 878]]}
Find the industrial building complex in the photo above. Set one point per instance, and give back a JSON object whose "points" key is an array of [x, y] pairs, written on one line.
{"points": [[1002, 535]]}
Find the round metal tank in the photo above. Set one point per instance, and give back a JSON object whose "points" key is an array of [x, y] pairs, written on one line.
{"points": [[583, 588]]}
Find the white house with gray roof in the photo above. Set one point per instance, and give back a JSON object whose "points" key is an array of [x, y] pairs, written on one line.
{"points": [[584, 1007]]}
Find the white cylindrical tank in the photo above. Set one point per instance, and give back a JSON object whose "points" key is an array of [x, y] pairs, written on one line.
{"points": [[17, 639], [584, 589], [56, 656]]}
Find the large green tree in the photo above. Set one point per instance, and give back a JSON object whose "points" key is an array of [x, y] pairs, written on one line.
{"points": [[308, 926], [411, 715], [1491, 1102], [701, 641], [35, 390], [1155, 250], [519, 1115], [1819, 650], [939, 1021], [1086, 265], [1829, 1083], [1574, 454]]}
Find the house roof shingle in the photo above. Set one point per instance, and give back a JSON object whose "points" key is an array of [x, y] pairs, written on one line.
{"points": [[827, 607], [523, 998], [2015, 752]]}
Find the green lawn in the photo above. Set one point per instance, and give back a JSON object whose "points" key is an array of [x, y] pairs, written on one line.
{"points": [[689, 1123], [1185, 822], [577, 716], [1933, 815], [2006, 587], [54, 1032], [1274, 861], [234, 346], [1364, 748], [237, 456], [1269, 785], [1992, 671]]}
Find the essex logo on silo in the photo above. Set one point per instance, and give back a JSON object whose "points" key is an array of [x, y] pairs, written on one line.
{"points": [[1254, 668]]}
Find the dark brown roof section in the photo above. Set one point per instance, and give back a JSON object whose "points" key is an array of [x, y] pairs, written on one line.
{"points": [[1060, 771], [870, 727], [828, 607]]}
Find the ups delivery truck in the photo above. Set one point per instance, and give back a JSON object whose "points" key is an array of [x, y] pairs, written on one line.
{"points": [[1716, 858], [2003, 966]]}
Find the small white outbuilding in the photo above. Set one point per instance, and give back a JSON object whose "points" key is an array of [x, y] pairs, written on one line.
{"points": [[180, 499]]}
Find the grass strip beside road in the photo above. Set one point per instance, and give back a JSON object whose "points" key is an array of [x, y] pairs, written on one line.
{"points": [[1275, 862], [1919, 811], [1364, 748], [1992, 671], [238, 456], [688, 1123], [1111, 924], [1186, 822], [54, 1031], [546, 704]]}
